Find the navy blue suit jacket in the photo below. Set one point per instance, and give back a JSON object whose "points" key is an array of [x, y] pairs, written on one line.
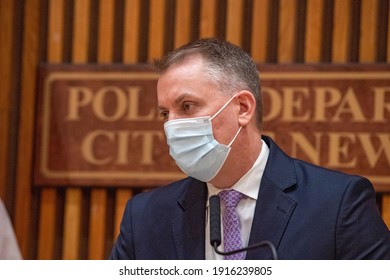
{"points": [[306, 211]]}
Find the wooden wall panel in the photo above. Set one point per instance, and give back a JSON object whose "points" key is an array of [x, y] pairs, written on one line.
{"points": [[235, 21], [286, 33], [25, 211], [183, 19], [314, 29], [131, 31], [259, 30], [6, 35], [368, 27], [208, 15], [81, 223], [73, 196], [157, 30], [340, 38], [48, 205]]}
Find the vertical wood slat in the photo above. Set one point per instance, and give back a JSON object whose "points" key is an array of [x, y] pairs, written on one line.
{"points": [[340, 36], [73, 196], [287, 24], [208, 27], [131, 31], [72, 223], [182, 22], [386, 197], [313, 40], [47, 218], [388, 33], [47, 221], [105, 32], [367, 39], [6, 50], [259, 30], [55, 34], [97, 230], [234, 21], [80, 31], [156, 29], [386, 209], [26, 125]]}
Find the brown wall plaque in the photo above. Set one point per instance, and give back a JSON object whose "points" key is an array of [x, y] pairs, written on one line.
{"points": [[98, 125]]}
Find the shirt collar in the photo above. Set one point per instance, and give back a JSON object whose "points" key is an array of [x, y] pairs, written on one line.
{"points": [[249, 184]]}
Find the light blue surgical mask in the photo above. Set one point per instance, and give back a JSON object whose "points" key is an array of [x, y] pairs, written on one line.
{"points": [[193, 146]]}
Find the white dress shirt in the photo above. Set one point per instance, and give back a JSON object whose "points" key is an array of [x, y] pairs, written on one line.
{"points": [[249, 185]]}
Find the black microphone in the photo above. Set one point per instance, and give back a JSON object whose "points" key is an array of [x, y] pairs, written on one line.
{"points": [[215, 232]]}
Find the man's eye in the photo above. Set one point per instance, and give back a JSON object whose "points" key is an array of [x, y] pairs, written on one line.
{"points": [[164, 115], [186, 106]]}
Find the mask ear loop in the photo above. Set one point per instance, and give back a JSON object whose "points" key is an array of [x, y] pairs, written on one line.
{"points": [[235, 136], [220, 110], [223, 107]]}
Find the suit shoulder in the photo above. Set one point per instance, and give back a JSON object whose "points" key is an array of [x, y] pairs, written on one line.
{"points": [[164, 194]]}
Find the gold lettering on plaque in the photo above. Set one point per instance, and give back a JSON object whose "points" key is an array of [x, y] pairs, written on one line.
{"points": [[373, 154], [294, 98], [127, 103], [87, 147], [78, 97], [100, 98], [325, 97], [134, 101], [340, 149], [380, 104], [147, 140], [275, 104], [312, 151], [120, 140], [349, 105]]}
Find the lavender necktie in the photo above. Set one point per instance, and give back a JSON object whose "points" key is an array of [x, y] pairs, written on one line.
{"points": [[231, 224]]}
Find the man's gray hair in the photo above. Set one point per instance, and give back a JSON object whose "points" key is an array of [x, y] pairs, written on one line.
{"points": [[228, 65]]}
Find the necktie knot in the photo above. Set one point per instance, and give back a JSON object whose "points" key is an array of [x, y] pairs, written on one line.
{"points": [[230, 198]]}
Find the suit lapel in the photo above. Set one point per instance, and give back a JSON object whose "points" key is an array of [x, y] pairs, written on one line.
{"points": [[273, 211], [274, 207], [188, 225]]}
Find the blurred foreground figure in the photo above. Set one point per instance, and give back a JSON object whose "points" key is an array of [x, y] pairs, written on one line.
{"points": [[9, 248]]}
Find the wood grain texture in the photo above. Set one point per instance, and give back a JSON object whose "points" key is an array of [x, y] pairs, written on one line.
{"points": [[23, 175], [131, 31], [183, 16], [367, 39], [340, 33], [156, 29], [313, 37], [6, 54], [286, 33], [234, 21], [259, 30], [208, 12]]}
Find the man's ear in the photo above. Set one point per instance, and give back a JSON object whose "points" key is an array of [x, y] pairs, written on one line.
{"points": [[247, 104]]}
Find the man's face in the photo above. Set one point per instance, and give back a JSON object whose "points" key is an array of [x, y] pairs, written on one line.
{"points": [[185, 91]]}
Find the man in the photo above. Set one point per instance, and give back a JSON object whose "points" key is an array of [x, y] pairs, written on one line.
{"points": [[209, 95]]}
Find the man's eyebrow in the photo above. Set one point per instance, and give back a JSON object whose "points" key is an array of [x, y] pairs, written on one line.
{"points": [[177, 101], [180, 98]]}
